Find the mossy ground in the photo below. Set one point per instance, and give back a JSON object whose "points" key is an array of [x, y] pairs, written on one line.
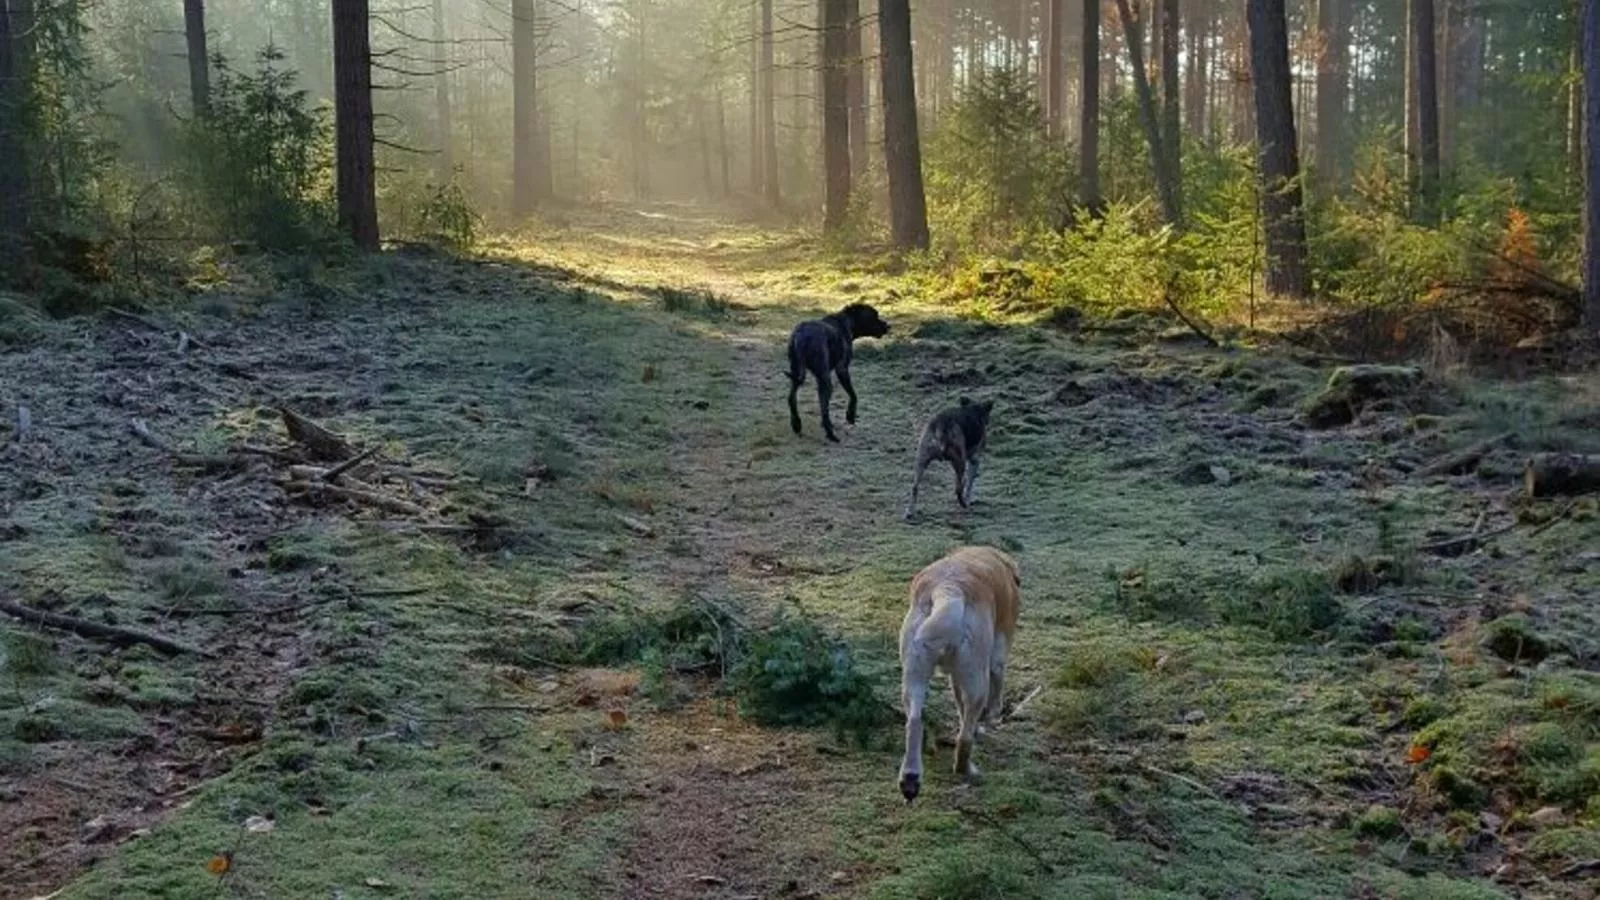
{"points": [[1228, 706]]}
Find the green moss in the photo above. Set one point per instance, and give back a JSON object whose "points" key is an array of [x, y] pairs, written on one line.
{"points": [[1380, 822]]}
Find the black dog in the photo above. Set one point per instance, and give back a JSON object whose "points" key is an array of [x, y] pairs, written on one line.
{"points": [[956, 435], [823, 347]]}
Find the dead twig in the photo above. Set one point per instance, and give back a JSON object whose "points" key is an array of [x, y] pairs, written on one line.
{"points": [[1463, 461], [1017, 710], [365, 498], [997, 825], [112, 633], [1156, 770], [1172, 303], [334, 473], [1465, 542]]}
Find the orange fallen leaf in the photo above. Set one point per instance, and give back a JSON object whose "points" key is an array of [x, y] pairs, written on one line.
{"points": [[617, 717], [220, 864], [1418, 754]]}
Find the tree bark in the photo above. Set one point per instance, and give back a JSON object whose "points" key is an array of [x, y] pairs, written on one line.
{"points": [[13, 149], [902, 149], [769, 121], [1160, 160], [1199, 74], [1591, 151], [835, 114], [856, 93], [1055, 80], [1089, 136], [1333, 24], [1413, 128], [722, 141], [352, 83], [1280, 163], [1427, 113], [443, 120], [1575, 111], [1171, 86], [525, 179], [194, 30], [755, 102]]}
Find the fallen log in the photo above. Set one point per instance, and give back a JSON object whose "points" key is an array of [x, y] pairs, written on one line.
{"points": [[322, 443], [1464, 461], [1561, 474], [204, 462], [365, 498], [119, 636]]}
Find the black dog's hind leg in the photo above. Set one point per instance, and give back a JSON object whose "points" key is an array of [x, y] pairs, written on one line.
{"points": [[844, 382], [972, 477], [825, 394], [916, 482], [958, 461], [797, 377]]}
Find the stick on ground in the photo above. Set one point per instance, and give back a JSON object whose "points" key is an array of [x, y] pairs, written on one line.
{"points": [[120, 636]]}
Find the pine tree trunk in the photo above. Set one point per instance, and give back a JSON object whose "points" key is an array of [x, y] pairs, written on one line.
{"points": [[1413, 127], [352, 83], [194, 30], [1449, 12], [835, 114], [902, 149], [1160, 159], [1427, 113], [1280, 164], [1199, 74], [1089, 136], [524, 110], [722, 142], [856, 93], [755, 101], [1055, 76], [1575, 117], [1591, 91], [1332, 88], [1243, 99], [1171, 86], [13, 150], [769, 121], [443, 120]]}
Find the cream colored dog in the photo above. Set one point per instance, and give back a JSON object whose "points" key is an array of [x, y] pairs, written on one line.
{"points": [[962, 621]]}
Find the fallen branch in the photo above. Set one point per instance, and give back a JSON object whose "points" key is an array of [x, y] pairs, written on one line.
{"points": [[1465, 542], [1464, 461], [119, 636], [197, 460], [1184, 318], [334, 473], [1156, 770], [1017, 710], [365, 498]]}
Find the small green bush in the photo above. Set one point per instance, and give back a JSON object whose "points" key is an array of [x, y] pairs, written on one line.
{"points": [[794, 673]]}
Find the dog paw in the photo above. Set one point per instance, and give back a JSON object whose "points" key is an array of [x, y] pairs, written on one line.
{"points": [[833, 437], [850, 418], [795, 425]]}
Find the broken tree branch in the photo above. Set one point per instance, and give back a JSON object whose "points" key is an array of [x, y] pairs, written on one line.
{"points": [[322, 443], [112, 633], [1464, 461], [1552, 474], [365, 498]]}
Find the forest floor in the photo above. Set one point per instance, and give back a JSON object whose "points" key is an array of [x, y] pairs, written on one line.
{"points": [[1256, 666]]}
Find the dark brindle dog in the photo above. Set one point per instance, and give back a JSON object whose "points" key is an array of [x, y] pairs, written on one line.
{"points": [[956, 435], [823, 347]]}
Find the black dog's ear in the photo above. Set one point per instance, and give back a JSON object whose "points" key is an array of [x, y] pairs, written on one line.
{"points": [[963, 401], [988, 406]]}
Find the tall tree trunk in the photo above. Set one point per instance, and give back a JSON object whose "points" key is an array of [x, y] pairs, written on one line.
{"points": [[1243, 99], [1089, 136], [1427, 112], [443, 121], [1591, 91], [524, 110], [902, 149], [1575, 118], [1413, 127], [1449, 12], [1332, 87], [1054, 66], [1199, 69], [1171, 86], [1280, 163], [755, 102], [835, 114], [13, 149], [856, 93], [194, 31], [702, 127], [769, 121], [722, 141], [1167, 187], [352, 83]]}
